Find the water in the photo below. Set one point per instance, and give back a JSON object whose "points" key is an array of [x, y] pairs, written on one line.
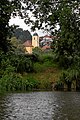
{"points": [[40, 106]]}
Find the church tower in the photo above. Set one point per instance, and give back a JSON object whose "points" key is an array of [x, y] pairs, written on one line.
{"points": [[35, 40]]}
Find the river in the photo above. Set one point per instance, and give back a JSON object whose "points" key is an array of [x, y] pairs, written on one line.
{"points": [[40, 106]]}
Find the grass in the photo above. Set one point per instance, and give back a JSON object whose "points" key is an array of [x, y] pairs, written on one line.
{"points": [[46, 73]]}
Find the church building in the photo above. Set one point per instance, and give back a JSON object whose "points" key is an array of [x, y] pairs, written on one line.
{"points": [[30, 44]]}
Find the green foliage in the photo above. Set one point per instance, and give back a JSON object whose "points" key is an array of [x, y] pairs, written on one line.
{"points": [[45, 84], [67, 78], [37, 50], [6, 9], [21, 62], [33, 83], [65, 14], [12, 81], [16, 72], [17, 46], [67, 46], [12, 69], [45, 60], [69, 75], [47, 57], [16, 82]]}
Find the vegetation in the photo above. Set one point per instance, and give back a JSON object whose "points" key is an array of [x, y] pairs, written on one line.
{"points": [[22, 35], [18, 71], [66, 15], [7, 7]]}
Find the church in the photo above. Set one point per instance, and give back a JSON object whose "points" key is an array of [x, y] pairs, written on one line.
{"points": [[30, 44], [43, 42]]}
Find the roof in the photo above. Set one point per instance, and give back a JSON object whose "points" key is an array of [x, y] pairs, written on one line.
{"points": [[35, 34], [28, 43], [47, 36], [45, 47]]}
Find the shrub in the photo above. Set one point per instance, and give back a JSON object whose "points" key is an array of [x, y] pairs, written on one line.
{"points": [[68, 76]]}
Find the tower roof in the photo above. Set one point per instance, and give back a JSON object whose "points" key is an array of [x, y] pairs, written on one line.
{"points": [[35, 34]]}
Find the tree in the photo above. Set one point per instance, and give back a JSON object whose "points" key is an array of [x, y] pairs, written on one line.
{"points": [[69, 34], [17, 46], [66, 15], [22, 35], [7, 7]]}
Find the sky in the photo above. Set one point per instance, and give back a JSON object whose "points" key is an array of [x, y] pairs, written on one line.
{"points": [[20, 22]]}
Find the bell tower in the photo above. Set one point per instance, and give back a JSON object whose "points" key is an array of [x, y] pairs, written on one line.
{"points": [[35, 40]]}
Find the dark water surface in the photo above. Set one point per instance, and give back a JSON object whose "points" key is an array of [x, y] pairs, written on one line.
{"points": [[40, 106]]}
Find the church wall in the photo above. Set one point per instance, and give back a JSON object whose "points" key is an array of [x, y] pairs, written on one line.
{"points": [[29, 50], [35, 41]]}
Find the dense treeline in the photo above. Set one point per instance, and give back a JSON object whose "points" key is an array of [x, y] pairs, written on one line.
{"points": [[22, 35], [18, 72], [12, 68]]}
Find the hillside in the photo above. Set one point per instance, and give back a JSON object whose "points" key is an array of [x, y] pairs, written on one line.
{"points": [[46, 72], [22, 35]]}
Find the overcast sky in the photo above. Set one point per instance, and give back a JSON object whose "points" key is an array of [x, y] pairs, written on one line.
{"points": [[20, 22]]}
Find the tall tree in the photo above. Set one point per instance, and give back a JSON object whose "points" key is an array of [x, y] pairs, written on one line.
{"points": [[7, 7]]}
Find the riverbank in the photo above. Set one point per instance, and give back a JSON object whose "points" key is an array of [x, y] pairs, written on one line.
{"points": [[36, 72], [44, 73]]}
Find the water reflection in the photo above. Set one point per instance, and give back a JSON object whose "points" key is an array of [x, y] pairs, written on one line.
{"points": [[40, 106]]}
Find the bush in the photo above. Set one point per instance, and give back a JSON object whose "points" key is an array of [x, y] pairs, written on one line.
{"points": [[68, 76], [17, 82]]}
